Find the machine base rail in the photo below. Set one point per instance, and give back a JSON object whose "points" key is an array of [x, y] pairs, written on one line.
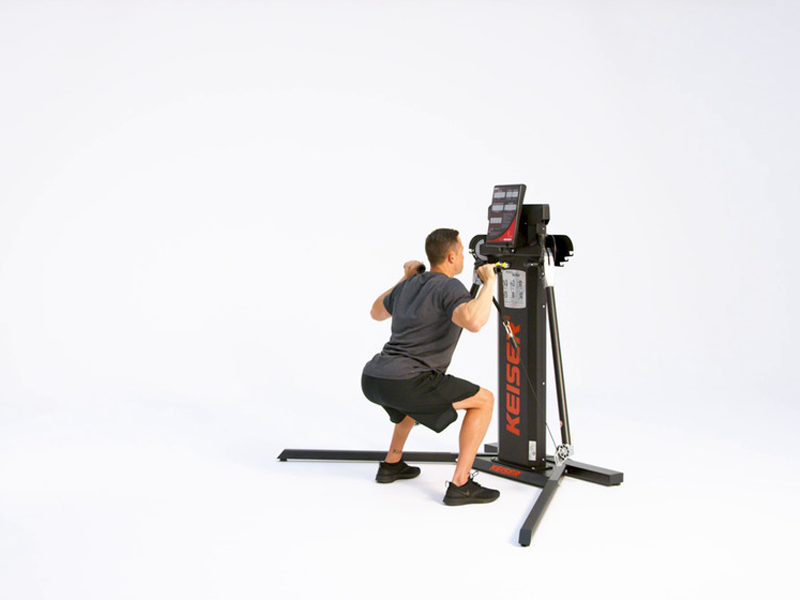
{"points": [[366, 456]]}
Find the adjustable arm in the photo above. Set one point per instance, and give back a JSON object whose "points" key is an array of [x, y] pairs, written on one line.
{"points": [[565, 449]]}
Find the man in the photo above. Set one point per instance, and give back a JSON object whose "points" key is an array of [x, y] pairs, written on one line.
{"points": [[408, 379]]}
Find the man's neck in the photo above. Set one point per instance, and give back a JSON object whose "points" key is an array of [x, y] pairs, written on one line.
{"points": [[444, 269]]}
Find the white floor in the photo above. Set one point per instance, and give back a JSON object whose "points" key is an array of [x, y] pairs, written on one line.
{"points": [[158, 501]]}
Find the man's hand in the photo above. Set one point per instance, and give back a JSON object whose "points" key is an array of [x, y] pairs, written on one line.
{"points": [[487, 273], [412, 268]]}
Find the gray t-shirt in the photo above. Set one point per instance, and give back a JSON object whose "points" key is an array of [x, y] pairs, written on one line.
{"points": [[424, 336]]}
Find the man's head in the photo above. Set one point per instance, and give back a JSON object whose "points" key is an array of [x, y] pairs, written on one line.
{"points": [[445, 251]]}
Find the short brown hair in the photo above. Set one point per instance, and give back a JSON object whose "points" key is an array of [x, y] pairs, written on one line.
{"points": [[439, 243]]}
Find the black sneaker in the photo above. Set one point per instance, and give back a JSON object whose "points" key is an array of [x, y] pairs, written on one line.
{"points": [[389, 472], [469, 493]]}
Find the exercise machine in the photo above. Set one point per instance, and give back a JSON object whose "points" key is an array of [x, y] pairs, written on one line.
{"points": [[526, 257], [517, 239]]}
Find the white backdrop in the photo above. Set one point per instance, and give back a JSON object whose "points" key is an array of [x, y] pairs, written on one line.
{"points": [[199, 202]]}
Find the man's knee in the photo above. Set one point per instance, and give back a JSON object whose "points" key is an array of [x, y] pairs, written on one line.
{"points": [[483, 400], [486, 399]]}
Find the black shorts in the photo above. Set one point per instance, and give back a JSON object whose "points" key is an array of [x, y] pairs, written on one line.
{"points": [[426, 398]]}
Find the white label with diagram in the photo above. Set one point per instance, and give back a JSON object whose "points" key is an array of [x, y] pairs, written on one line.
{"points": [[514, 289]]}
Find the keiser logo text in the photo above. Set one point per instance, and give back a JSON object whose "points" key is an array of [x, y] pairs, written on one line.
{"points": [[501, 470], [512, 380]]}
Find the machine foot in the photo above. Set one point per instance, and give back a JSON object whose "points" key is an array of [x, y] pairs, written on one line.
{"points": [[541, 504]]}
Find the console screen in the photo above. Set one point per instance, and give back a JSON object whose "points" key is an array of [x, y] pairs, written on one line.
{"points": [[504, 214]]}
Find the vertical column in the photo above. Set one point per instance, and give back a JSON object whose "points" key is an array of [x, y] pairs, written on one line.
{"points": [[522, 366]]}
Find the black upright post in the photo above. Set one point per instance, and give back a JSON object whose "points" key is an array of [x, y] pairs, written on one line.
{"points": [[522, 351], [558, 366], [522, 331]]}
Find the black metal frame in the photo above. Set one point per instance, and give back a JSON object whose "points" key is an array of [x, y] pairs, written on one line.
{"points": [[520, 451], [548, 479]]}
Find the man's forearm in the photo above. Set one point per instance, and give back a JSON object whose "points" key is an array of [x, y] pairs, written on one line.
{"points": [[379, 312]]}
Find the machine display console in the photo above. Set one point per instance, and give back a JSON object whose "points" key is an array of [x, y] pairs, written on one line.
{"points": [[504, 215]]}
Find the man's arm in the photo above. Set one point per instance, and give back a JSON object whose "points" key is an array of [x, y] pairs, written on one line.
{"points": [[473, 315], [378, 311]]}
